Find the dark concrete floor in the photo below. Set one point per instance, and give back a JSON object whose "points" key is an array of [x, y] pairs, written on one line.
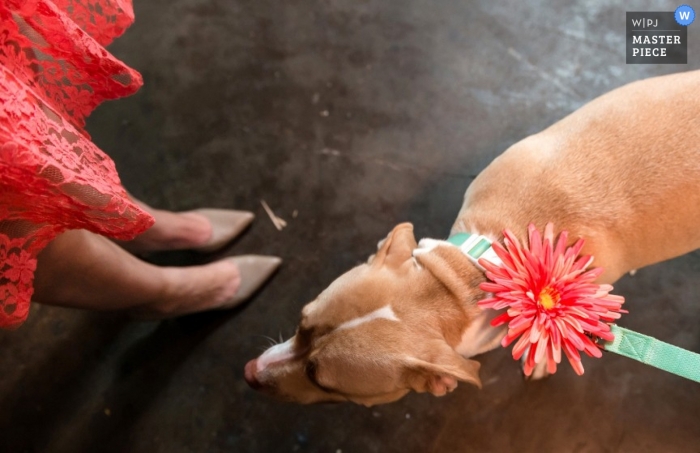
{"points": [[357, 115]]}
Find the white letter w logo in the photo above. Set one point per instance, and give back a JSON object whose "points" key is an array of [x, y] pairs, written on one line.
{"points": [[685, 15]]}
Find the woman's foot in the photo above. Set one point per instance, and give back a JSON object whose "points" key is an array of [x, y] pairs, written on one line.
{"points": [[84, 270], [254, 271], [220, 285], [204, 230], [226, 225]]}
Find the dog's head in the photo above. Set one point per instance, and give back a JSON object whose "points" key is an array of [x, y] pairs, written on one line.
{"points": [[382, 329]]}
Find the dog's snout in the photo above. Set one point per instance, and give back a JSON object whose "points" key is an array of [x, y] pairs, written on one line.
{"points": [[250, 374]]}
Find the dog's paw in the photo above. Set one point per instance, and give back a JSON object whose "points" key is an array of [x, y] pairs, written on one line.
{"points": [[539, 372]]}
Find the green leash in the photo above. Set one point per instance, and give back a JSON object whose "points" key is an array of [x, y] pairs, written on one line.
{"points": [[643, 348], [651, 351]]}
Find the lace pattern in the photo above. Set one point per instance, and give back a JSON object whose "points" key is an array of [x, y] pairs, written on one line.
{"points": [[53, 73]]}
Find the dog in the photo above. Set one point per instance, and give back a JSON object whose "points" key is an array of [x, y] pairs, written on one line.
{"points": [[623, 172]]}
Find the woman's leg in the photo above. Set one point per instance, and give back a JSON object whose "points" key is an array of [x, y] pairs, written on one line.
{"points": [[84, 270]]}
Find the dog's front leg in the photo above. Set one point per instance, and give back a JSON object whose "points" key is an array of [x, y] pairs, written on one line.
{"points": [[538, 372], [480, 336]]}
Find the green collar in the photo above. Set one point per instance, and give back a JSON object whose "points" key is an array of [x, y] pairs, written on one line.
{"points": [[475, 247]]}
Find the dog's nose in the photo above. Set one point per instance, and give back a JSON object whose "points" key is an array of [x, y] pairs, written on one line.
{"points": [[251, 369]]}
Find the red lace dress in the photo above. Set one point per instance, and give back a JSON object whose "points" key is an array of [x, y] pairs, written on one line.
{"points": [[54, 71]]}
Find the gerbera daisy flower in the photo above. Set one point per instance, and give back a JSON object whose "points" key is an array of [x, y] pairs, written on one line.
{"points": [[551, 299]]}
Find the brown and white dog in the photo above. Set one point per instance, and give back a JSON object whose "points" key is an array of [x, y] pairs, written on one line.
{"points": [[623, 172]]}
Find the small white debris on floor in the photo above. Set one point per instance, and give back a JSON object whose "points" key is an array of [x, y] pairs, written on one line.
{"points": [[295, 214], [330, 152], [278, 222], [324, 113]]}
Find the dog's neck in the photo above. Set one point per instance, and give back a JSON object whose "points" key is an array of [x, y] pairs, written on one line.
{"points": [[458, 271], [479, 336]]}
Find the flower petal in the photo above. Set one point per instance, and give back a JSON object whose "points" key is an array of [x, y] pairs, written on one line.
{"points": [[575, 310]]}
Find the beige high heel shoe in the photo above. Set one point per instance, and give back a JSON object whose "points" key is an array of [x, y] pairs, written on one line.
{"points": [[226, 225], [255, 270]]}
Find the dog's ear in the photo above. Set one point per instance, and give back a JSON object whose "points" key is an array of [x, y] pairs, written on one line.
{"points": [[396, 248], [440, 374], [450, 267]]}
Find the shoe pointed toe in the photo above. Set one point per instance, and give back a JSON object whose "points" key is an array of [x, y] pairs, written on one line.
{"points": [[254, 271], [226, 225]]}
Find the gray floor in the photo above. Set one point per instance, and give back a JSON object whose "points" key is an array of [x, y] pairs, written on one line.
{"points": [[357, 115]]}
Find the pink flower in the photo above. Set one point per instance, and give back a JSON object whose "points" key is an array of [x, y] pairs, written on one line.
{"points": [[551, 299]]}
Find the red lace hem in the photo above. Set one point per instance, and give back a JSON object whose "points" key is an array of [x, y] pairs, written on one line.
{"points": [[53, 73]]}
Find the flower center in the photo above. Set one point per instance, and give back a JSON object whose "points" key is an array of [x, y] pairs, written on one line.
{"points": [[549, 298]]}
